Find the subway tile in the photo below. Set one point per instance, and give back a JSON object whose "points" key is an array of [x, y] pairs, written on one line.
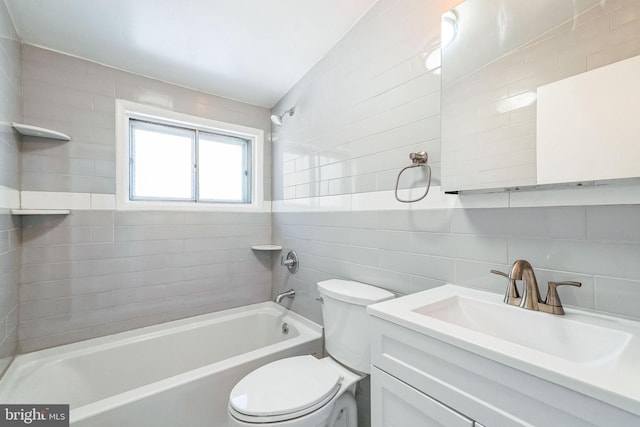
{"points": [[67, 183], [60, 324], [478, 248], [55, 236], [391, 280], [477, 275], [426, 221], [613, 223], [388, 240], [46, 290], [41, 342], [351, 254], [101, 234], [558, 222], [159, 307], [195, 286], [60, 306], [618, 296], [329, 266], [419, 284], [417, 265], [586, 257]]}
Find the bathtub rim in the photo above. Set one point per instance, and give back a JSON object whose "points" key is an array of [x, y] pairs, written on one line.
{"points": [[147, 332]]}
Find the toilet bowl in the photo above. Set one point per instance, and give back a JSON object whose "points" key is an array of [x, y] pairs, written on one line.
{"points": [[304, 391]]}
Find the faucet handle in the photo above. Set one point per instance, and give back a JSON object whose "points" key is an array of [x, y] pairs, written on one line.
{"points": [[553, 299], [499, 273]]}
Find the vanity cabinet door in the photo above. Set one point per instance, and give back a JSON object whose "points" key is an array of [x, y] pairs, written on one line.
{"points": [[395, 404]]}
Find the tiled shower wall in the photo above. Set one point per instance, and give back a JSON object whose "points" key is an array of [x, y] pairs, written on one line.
{"points": [[10, 110], [326, 150], [94, 273], [360, 112], [97, 272]]}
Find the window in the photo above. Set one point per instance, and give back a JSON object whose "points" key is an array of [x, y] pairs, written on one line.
{"points": [[168, 160]]}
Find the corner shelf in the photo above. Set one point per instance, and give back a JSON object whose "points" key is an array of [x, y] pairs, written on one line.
{"points": [[29, 130], [40, 211], [266, 247]]}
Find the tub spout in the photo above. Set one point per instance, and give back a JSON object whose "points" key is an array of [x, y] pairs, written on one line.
{"points": [[286, 294]]}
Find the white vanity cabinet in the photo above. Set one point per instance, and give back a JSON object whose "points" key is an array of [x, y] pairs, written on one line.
{"points": [[394, 403], [418, 380]]}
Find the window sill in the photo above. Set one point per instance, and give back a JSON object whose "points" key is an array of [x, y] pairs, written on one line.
{"points": [[264, 206]]}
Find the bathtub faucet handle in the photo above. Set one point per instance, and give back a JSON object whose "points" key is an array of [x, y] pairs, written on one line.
{"points": [[291, 262]]}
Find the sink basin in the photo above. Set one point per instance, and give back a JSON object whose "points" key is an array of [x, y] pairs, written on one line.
{"points": [[593, 354], [566, 338]]}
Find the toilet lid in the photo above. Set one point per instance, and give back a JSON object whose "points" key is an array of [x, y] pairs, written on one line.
{"points": [[284, 389]]}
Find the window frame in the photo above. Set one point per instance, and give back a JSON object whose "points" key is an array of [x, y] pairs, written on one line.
{"points": [[126, 110]]}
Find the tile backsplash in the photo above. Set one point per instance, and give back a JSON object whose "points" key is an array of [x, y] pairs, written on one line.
{"points": [[410, 251]]}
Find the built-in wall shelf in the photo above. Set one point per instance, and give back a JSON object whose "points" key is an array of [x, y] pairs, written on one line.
{"points": [[266, 247], [29, 130], [40, 211]]}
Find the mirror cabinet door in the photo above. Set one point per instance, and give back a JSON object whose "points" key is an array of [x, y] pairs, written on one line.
{"points": [[503, 52]]}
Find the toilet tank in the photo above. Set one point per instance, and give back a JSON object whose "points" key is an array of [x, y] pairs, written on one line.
{"points": [[346, 329]]}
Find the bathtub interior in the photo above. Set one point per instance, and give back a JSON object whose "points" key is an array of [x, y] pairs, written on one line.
{"points": [[86, 372]]}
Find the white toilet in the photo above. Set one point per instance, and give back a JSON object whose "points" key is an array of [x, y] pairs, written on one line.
{"points": [[304, 391]]}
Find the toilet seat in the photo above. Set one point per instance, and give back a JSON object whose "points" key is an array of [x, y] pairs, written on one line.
{"points": [[284, 389]]}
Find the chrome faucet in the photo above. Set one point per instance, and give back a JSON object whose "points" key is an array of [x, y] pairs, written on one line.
{"points": [[286, 294], [531, 300]]}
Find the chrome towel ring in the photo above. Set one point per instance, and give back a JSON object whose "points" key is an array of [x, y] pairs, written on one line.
{"points": [[418, 160]]}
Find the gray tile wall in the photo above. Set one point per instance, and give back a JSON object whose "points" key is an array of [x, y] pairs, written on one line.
{"points": [[409, 251], [94, 273], [10, 110], [9, 278], [362, 109], [98, 272], [77, 97]]}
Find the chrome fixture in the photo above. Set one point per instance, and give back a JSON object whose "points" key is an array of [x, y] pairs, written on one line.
{"points": [[286, 294], [277, 119], [418, 160], [291, 262], [531, 300]]}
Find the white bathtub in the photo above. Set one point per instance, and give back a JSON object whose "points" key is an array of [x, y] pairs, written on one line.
{"points": [[174, 374]]}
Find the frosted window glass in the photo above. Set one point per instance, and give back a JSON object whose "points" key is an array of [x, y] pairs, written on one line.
{"points": [[162, 162], [223, 173]]}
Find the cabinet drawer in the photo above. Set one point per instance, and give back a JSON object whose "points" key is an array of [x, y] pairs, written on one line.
{"points": [[395, 404]]}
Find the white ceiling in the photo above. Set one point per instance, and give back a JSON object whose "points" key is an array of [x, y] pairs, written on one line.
{"points": [[249, 50]]}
